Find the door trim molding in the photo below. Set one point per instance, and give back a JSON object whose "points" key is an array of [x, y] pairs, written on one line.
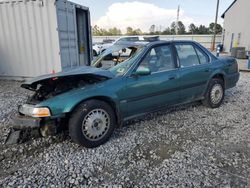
{"points": [[133, 99]]}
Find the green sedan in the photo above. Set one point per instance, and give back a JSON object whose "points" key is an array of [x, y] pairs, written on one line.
{"points": [[126, 81]]}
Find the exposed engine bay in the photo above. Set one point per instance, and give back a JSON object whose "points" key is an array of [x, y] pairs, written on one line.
{"points": [[33, 118], [51, 87]]}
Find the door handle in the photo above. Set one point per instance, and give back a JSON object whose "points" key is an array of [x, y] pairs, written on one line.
{"points": [[172, 78], [207, 70]]}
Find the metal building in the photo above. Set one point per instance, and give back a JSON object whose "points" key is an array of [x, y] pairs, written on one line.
{"points": [[43, 36], [236, 25]]}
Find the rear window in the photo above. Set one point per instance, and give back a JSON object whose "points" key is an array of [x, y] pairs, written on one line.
{"points": [[187, 55], [202, 56]]}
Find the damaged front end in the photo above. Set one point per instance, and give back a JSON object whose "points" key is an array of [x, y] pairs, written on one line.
{"points": [[35, 118]]}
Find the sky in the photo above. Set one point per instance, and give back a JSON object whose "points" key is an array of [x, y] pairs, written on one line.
{"points": [[144, 13]]}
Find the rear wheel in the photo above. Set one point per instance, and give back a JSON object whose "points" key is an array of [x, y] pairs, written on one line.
{"points": [[92, 123], [215, 93]]}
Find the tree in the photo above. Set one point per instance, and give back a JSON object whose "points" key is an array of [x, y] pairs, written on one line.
{"points": [[96, 31], [173, 28], [114, 31], [129, 31], [152, 29], [218, 28], [137, 32], [203, 30], [192, 29], [181, 28], [167, 31]]}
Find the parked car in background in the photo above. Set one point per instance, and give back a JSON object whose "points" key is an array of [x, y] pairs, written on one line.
{"points": [[101, 47], [97, 47], [126, 81]]}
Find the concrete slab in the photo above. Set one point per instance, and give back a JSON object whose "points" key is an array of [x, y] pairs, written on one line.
{"points": [[243, 65]]}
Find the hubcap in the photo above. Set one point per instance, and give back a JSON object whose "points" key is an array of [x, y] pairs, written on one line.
{"points": [[96, 124], [216, 94]]}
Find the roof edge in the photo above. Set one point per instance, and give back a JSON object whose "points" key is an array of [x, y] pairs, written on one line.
{"points": [[223, 15]]}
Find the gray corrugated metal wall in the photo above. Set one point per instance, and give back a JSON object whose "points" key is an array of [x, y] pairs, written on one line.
{"points": [[29, 45], [38, 37], [67, 34]]}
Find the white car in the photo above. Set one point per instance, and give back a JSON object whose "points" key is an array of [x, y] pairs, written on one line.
{"points": [[98, 48]]}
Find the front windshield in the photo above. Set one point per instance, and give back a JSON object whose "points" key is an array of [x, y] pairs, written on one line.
{"points": [[117, 59]]}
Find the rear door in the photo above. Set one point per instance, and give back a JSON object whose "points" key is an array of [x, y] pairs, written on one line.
{"points": [[160, 88], [195, 70]]}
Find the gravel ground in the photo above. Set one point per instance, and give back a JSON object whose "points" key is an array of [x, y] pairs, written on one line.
{"points": [[188, 146]]}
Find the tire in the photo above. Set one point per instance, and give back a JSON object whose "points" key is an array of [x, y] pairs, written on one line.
{"points": [[215, 93], [92, 123]]}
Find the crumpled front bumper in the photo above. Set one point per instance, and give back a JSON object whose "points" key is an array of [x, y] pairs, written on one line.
{"points": [[21, 127], [23, 122]]}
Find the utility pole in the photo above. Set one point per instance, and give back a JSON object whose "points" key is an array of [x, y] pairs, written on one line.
{"points": [[177, 20], [215, 25]]}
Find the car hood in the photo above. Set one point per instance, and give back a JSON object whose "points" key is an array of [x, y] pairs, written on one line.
{"points": [[82, 70]]}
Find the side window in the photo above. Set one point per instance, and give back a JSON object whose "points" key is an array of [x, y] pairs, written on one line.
{"points": [[158, 59], [187, 55], [202, 56]]}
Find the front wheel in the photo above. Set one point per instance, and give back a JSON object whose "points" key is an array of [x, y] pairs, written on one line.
{"points": [[92, 123], [215, 93]]}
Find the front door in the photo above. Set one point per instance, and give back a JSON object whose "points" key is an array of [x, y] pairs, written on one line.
{"points": [[160, 88]]}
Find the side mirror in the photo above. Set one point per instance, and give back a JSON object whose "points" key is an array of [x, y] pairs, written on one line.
{"points": [[142, 71]]}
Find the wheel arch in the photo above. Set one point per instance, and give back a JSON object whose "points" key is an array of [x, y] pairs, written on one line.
{"points": [[109, 101], [220, 76]]}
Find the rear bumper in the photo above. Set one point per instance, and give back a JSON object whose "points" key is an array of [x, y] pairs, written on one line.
{"points": [[232, 79], [22, 122]]}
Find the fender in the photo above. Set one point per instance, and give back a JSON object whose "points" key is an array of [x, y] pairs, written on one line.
{"points": [[213, 74], [112, 101]]}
